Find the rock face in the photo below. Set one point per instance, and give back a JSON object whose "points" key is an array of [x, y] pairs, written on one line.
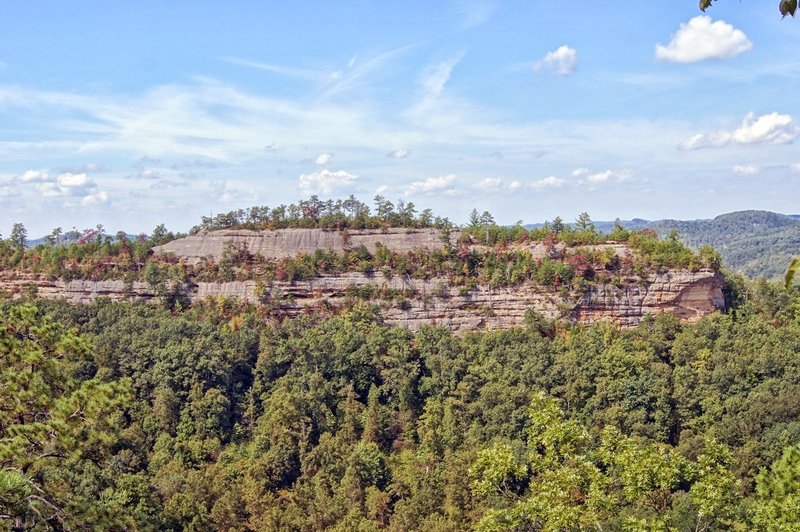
{"points": [[413, 303], [405, 301], [289, 242]]}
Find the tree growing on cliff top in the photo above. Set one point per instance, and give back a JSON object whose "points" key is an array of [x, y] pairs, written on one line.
{"points": [[19, 236]]}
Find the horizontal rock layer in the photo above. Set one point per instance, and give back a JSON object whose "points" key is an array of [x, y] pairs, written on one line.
{"points": [[413, 303]]}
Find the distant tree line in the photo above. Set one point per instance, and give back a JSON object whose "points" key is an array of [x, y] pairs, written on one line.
{"points": [[330, 214]]}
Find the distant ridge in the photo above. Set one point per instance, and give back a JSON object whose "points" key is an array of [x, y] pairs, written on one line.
{"points": [[754, 243]]}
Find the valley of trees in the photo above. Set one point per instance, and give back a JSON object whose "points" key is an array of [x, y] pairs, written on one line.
{"points": [[224, 415], [133, 416]]}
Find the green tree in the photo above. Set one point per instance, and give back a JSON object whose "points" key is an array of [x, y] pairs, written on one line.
{"points": [[777, 506], [52, 420], [474, 219], [558, 225], [584, 222], [54, 238], [19, 236]]}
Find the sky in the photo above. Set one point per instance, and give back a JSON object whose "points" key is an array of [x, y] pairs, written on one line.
{"points": [[132, 115]]}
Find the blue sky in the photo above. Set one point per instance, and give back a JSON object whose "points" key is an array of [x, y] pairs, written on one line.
{"points": [[131, 115]]}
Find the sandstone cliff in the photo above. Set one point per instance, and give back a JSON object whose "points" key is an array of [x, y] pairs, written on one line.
{"points": [[413, 303], [289, 242], [403, 300]]}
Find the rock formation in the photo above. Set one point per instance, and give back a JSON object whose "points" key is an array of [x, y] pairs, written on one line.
{"points": [[403, 300], [289, 242], [413, 303]]}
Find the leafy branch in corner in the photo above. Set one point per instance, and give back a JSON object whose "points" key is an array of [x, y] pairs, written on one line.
{"points": [[786, 7]]}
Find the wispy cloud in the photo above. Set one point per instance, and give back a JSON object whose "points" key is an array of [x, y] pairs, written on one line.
{"points": [[436, 76], [359, 73], [474, 13], [302, 73], [192, 164], [700, 39], [400, 153]]}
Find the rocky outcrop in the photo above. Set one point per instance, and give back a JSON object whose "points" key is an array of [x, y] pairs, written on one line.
{"points": [[289, 242], [413, 303], [687, 295], [405, 301]]}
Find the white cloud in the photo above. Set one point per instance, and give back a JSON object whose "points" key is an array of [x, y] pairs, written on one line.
{"points": [[431, 184], [548, 182], [326, 182], [562, 61], [489, 183], [745, 170], [67, 184], [400, 153], [71, 181], [795, 168], [705, 140], [771, 128], [579, 172], [34, 176], [701, 39], [600, 177], [324, 159], [497, 184], [98, 198], [49, 190]]}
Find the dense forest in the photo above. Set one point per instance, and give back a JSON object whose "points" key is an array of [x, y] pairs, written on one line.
{"points": [[225, 415], [133, 416]]}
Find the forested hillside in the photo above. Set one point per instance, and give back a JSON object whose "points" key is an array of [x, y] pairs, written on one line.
{"points": [[133, 416], [232, 414], [754, 243]]}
